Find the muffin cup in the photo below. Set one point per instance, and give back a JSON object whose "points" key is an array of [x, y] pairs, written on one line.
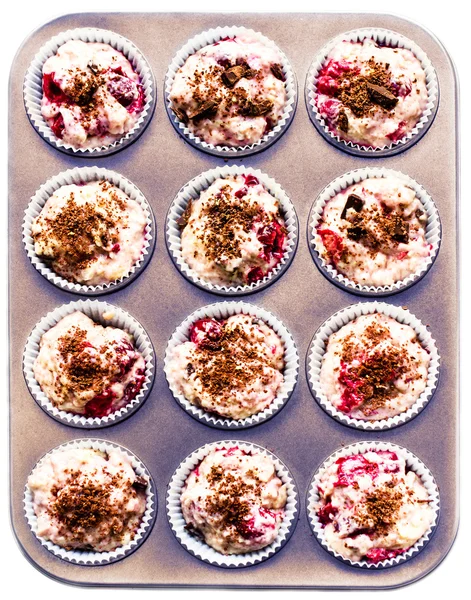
{"points": [[192, 191], [91, 557], [383, 37], [207, 38], [223, 310], [33, 93], [318, 347], [79, 176], [433, 232], [412, 464], [200, 549], [105, 314]]}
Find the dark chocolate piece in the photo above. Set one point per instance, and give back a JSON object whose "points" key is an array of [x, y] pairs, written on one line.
{"points": [[342, 121], [356, 232], [140, 482], [401, 231], [354, 202], [231, 76], [182, 221], [205, 108], [258, 109], [180, 114], [277, 71], [381, 96]]}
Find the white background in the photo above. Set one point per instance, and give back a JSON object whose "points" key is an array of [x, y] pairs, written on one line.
{"points": [[450, 23]]}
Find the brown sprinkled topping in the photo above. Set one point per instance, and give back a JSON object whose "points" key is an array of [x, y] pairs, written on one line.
{"points": [[82, 504], [225, 217], [227, 504], [380, 509], [228, 363], [79, 231], [364, 94]]}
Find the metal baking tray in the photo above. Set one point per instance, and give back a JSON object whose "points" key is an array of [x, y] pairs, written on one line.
{"points": [[302, 435]]}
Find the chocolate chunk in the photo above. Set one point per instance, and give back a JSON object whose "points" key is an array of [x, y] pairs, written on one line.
{"points": [[231, 76], [205, 108], [356, 232], [342, 121], [277, 71], [93, 68], [381, 96], [190, 369], [249, 73], [180, 114], [140, 482], [182, 221], [354, 202], [419, 213], [258, 109], [401, 231]]}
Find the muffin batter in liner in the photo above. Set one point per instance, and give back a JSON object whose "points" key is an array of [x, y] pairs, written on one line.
{"points": [[90, 557], [33, 92], [79, 176], [200, 549], [104, 314], [412, 463], [318, 347], [223, 310], [433, 232], [207, 38], [384, 37], [192, 191]]}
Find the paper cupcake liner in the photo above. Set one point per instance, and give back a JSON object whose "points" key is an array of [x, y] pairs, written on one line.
{"points": [[318, 347], [223, 310], [433, 232], [412, 464], [209, 37], [200, 549], [79, 176], [192, 191], [33, 92], [91, 557], [105, 314], [384, 37]]}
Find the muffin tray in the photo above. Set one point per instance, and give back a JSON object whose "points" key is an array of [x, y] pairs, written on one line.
{"points": [[301, 435]]}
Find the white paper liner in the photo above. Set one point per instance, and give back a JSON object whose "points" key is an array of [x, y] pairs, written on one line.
{"points": [[209, 37], [412, 463], [105, 314], [33, 92], [90, 557], [78, 176], [432, 232], [200, 549], [223, 310], [318, 347], [384, 37], [192, 191]]}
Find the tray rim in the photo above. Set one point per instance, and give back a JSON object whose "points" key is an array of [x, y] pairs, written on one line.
{"points": [[457, 172]]}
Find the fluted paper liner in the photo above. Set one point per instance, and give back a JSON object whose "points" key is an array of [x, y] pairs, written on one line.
{"points": [[205, 39], [33, 92], [384, 37], [91, 557], [107, 315], [224, 310], [192, 191], [433, 232], [412, 464], [318, 348], [79, 176], [200, 549]]}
